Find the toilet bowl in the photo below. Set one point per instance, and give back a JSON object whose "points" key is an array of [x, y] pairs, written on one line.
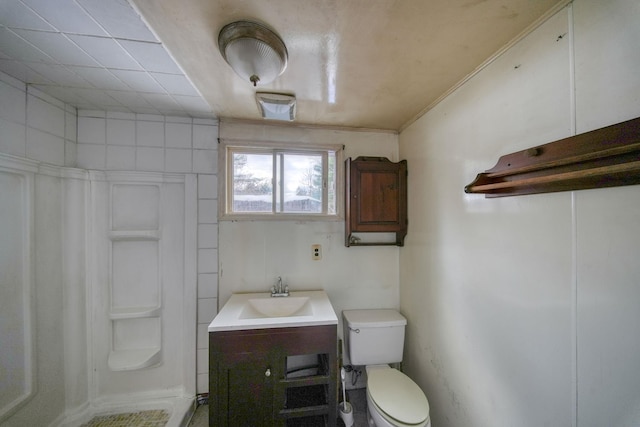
{"points": [[374, 339], [394, 400]]}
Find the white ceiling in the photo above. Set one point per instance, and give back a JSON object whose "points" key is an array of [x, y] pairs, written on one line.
{"points": [[94, 54], [374, 64]]}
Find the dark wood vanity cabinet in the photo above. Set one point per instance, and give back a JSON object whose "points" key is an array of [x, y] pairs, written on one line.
{"points": [[376, 199], [249, 385]]}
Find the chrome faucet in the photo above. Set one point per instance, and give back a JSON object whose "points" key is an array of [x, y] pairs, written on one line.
{"points": [[278, 290]]}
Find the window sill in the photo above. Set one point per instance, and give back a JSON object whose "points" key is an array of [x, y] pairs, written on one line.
{"points": [[281, 217]]}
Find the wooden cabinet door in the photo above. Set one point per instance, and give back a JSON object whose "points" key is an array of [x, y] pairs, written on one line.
{"points": [[243, 368], [248, 381], [376, 197]]}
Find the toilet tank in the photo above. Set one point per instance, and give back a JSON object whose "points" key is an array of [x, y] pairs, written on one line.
{"points": [[373, 337]]}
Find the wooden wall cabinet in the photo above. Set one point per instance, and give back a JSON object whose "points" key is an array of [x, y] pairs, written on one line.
{"points": [[375, 199], [249, 385]]}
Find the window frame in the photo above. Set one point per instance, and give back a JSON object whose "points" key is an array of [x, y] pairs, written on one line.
{"points": [[225, 180]]}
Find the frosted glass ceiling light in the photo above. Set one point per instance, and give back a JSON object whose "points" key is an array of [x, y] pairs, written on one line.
{"points": [[276, 106], [254, 52]]}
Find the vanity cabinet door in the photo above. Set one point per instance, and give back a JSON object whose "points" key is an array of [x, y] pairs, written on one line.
{"points": [[243, 371], [249, 387]]}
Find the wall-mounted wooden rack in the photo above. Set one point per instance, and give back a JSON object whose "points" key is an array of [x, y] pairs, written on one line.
{"points": [[606, 157]]}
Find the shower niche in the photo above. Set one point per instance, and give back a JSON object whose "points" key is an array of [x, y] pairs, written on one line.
{"points": [[135, 288]]}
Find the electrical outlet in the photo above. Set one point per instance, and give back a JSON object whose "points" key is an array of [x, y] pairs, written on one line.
{"points": [[316, 252]]}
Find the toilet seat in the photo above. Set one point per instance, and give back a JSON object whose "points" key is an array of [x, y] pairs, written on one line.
{"points": [[397, 397]]}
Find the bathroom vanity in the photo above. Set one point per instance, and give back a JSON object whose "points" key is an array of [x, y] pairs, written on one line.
{"points": [[273, 362]]}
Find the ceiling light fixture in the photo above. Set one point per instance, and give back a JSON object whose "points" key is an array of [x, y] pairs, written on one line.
{"points": [[276, 106], [253, 51]]}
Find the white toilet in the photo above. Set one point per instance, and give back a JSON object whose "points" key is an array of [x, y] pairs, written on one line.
{"points": [[374, 338]]}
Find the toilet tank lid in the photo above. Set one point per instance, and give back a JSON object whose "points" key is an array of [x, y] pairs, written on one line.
{"points": [[373, 318]]}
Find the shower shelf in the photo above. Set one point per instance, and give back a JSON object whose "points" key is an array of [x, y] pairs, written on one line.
{"points": [[134, 235], [134, 312], [128, 360]]}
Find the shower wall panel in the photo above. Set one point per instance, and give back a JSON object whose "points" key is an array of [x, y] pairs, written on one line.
{"points": [[139, 287]]}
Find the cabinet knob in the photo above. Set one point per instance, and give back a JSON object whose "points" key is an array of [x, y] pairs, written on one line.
{"points": [[267, 373]]}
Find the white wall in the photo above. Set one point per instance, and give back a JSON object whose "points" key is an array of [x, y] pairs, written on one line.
{"points": [[522, 311], [34, 125], [254, 253]]}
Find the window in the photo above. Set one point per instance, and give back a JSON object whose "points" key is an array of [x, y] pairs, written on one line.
{"points": [[268, 181]]}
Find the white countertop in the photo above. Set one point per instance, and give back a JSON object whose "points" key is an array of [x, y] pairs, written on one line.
{"points": [[230, 317]]}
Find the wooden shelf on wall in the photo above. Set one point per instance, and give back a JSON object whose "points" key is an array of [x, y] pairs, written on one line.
{"points": [[606, 157]]}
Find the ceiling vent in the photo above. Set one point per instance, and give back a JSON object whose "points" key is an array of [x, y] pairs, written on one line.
{"points": [[276, 106]]}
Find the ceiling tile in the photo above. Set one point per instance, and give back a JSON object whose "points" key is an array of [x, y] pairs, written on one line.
{"points": [[58, 46], [131, 99], [21, 72], [59, 74], [106, 51], [15, 14], [139, 80], [175, 84], [119, 19], [100, 78], [152, 56], [19, 49], [160, 101], [195, 104], [97, 97], [66, 95], [66, 16]]}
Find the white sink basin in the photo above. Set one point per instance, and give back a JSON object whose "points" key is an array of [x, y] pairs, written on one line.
{"points": [[257, 308], [260, 311]]}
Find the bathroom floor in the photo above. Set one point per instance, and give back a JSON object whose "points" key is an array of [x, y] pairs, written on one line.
{"points": [[357, 398]]}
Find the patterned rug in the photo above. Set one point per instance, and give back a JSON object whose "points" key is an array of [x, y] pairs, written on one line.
{"points": [[155, 418]]}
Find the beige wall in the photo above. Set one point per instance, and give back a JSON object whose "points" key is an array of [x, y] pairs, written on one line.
{"points": [[522, 311]]}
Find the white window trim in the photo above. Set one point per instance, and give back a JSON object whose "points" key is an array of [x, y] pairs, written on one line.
{"points": [[225, 176]]}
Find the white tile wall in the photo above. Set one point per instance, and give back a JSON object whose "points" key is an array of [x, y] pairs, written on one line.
{"points": [[149, 159], [178, 135], [12, 138], [207, 236], [207, 211], [121, 158], [45, 147], [92, 131], [208, 286], [92, 156], [178, 160], [150, 134], [121, 132], [35, 125]]}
